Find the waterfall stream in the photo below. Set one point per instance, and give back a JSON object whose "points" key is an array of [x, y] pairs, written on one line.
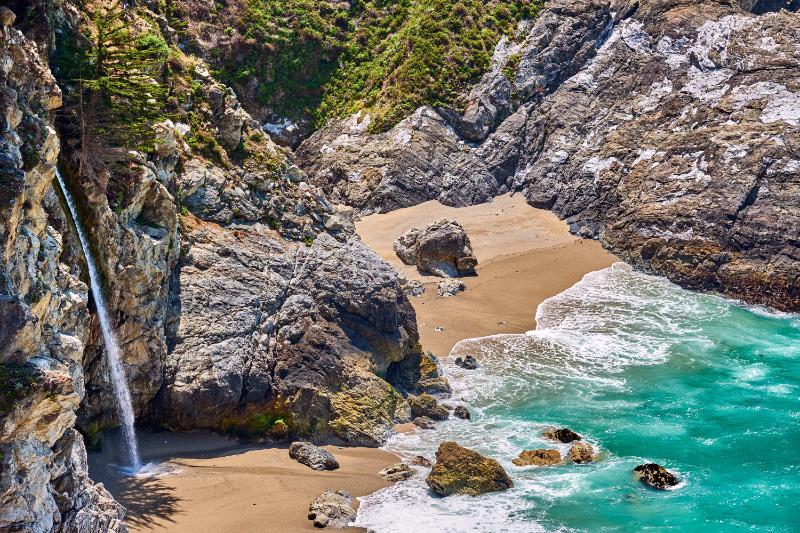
{"points": [[118, 380]]}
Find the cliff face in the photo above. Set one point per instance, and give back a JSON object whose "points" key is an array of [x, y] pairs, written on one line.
{"points": [[666, 129], [44, 483]]}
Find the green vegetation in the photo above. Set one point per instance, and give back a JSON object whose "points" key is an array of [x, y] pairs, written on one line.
{"points": [[16, 382]]}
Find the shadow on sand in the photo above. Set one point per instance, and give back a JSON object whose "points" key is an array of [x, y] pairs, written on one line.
{"points": [[148, 499]]}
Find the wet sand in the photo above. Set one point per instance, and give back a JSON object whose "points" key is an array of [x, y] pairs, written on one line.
{"points": [[525, 255]]}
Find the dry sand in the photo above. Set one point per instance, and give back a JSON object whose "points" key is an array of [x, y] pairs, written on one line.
{"points": [[525, 255], [220, 486]]}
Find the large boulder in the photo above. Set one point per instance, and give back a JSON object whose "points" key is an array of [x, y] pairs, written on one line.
{"points": [[313, 456], [426, 405], [442, 249], [461, 471], [656, 476], [582, 452], [332, 509]]}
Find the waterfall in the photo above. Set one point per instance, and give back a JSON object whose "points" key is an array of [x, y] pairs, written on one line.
{"points": [[121, 391]]}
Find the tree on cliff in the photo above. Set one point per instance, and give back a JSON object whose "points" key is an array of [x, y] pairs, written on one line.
{"points": [[116, 95]]}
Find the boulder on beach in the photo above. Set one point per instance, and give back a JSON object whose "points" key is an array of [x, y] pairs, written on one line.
{"points": [[426, 405], [461, 412], [396, 472], [423, 422], [582, 452], [564, 435], [420, 460], [461, 471], [442, 249], [450, 287], [541, 457], [656, 476], [332, 509], [467, 363], [312, 456]]}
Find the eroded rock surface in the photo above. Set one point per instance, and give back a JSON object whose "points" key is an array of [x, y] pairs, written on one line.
{"points": [[666, 129], [461, 471], [442, 249], [656, 476], [313, 456], [542, 457], [332, 509]]}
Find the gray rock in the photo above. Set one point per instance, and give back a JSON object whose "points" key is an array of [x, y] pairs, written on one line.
{"points": [[397, 472], [449, 287], [468, 362], [442, 249], [313, 456], [424, 422], [332, 509], [413, 288]]}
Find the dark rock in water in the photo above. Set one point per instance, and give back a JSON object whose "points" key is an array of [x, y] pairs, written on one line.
{"points": [[426, 405], [442, 249], [564, 435], [397, 472], [332, 509], [467, 363], [312, 456], [542, 457], [424, 422], [462, 471], [582, 452], [656, 476], [461, 412], [419, 460]]}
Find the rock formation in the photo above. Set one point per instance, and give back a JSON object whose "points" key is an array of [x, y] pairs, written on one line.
{"points": [[442, 249], [461, 471], [656, 476], [543, 457], [426, 405], [461, 412], [397, 472], [582, 452], [313, 456], [332, 509], [564, 435], [663, 128]]}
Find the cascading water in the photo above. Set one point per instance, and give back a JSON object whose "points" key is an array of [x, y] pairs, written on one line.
{"points": [[118, 380]]}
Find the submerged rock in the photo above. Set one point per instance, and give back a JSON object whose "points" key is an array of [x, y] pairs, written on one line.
{"points": [[461, 412], [313, 456], [467, 363], [396, 472], [462, 471], [656, 476], [582, 452], [332, 509], [426, 405], [541, 457], [564, 435], [442, 249]]}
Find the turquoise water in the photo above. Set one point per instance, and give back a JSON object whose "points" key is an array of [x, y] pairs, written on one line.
{"points": [[647, 372]]}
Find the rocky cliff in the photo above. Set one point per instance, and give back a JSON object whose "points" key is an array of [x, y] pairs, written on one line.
{"points": [[666, 129]]}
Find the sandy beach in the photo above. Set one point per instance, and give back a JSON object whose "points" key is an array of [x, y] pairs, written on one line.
{"points": [[525, 255]]}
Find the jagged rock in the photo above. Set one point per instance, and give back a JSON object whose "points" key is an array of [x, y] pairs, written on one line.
{"points": [[564, 435], [419, 460], [332, 509], [397, 472], [542, 457], [442, 249], [467, 363], [656, 476], [426, 405], [429, 366], [413, 288], [423, 422], [582, 452], [461, 412], [461, 471], [449, 287], [313, 456], [662, 128], [434, 386]]}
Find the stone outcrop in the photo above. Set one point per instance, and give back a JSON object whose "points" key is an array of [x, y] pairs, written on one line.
{"points": [[461, 471], [426, 405], [467, 363], [442, 249], [564, 435], [44, 320], [332, 509], [542, 457], [461, 412], [582, 452], [450, 287], [656, 476], [664, 128], [397, 472], [313, 456]]}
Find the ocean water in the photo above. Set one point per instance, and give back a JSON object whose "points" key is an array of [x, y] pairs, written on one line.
{"points": [[646, 372]]}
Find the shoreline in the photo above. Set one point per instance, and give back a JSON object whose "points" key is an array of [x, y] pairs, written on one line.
{"points": [[525, 255]]}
